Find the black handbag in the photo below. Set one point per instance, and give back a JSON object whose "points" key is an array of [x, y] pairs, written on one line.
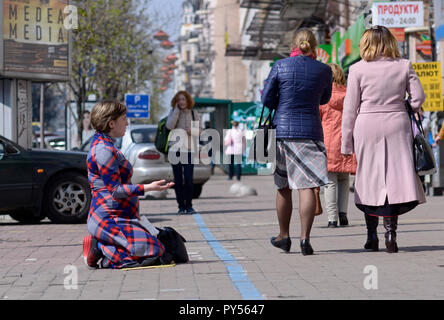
{"points": [[263, 138], [174, 244], [422, 152]]}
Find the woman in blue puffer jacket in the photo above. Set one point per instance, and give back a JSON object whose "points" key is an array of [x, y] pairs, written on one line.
{"points": [[296, 87]]}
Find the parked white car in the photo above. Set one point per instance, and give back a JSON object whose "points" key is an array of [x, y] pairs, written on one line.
{"points": [[148, 163]]}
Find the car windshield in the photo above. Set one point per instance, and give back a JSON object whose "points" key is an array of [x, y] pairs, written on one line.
{"points": [[143, 135]]}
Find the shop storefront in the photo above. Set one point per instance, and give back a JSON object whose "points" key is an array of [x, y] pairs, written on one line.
{"points": [[218, 114]]}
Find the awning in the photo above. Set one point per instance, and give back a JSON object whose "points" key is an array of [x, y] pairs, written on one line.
{"points": [[272, 23]]}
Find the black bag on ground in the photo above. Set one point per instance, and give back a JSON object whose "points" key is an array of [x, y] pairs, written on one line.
{"points": [[174, 244]]}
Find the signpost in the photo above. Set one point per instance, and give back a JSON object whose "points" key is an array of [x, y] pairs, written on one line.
{"points": [[35, 42], [35, 45], [429, 74], [138, 105], [401, 14]]}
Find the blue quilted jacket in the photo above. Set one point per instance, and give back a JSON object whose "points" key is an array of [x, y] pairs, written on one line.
{"points": [[296, 87]]}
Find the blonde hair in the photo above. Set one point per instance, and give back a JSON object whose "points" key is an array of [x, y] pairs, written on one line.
{"points": [[378, 41], [190, 100], [338, 74], [305, 41], [105, 111]]}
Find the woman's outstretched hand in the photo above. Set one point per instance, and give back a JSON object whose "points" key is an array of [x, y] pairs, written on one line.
{"points": [[159, 185]]}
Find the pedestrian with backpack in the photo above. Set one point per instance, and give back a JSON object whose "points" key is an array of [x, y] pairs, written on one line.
{"points": [[181, 116]]}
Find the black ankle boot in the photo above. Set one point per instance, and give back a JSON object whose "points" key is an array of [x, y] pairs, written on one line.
{"points": [[390, 225], [372, 235], [343, 221], [372, 242], [306, 248], [284, 244]]}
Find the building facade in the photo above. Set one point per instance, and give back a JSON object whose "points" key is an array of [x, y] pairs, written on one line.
{"points": [[203, 68]]}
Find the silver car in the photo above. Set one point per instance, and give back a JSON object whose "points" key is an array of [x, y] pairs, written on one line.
{"points": [[137, 145]]}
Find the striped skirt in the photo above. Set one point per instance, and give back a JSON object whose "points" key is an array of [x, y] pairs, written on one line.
{"points": [[300, 164]]}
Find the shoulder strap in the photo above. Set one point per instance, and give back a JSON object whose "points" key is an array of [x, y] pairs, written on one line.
{"points": [[269, 118], [412, 116]]}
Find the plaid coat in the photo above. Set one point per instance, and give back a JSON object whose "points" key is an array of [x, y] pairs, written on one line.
{"points": [[114, 214]]}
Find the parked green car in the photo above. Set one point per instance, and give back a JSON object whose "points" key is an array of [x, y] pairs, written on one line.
{"points": [[35, 184]]}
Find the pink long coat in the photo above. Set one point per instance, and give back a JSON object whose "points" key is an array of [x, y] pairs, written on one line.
{"points": [[376, 126]]}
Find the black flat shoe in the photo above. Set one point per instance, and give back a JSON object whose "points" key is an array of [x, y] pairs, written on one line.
{"points": [[284, 244], [306, 248]]}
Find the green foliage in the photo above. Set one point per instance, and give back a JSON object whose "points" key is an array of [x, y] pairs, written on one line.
{"points": [[113, 38]]}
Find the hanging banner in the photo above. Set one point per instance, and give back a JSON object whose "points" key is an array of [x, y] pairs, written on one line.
{"points": [[429, 74], [323, 53], [35, 39], [398, 14]]}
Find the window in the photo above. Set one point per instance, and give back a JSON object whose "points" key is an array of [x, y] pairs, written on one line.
{"points": [[144, 135], [5, 148], [2, 150]]}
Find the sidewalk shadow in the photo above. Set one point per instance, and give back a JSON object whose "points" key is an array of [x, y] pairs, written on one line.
{"points": [[357, 250], [421, 248], [202, 261], [383, 249], [234, 211], [208, 212], [154, 220], [217, 198], [16, 223]]}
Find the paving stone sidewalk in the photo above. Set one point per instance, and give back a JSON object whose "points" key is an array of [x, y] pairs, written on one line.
{"points": [[44, 261]]}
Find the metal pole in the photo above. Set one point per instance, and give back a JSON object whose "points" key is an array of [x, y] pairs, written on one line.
{"points": [[432, 31], [42, 116], [137, 72]]}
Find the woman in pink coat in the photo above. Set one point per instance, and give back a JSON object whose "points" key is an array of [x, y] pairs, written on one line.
{"points": [[376, 126], [339, 166]]}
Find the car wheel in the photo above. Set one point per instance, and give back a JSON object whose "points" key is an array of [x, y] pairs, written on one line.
{"points": [[68, 198], [26, 217], [197, 190]]}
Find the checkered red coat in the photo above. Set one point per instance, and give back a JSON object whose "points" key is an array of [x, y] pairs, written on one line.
{"points": [[114, 214]]}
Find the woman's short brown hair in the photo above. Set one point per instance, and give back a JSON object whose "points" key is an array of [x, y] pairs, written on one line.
{"points": [[105, 111], [338, 74], [305, 40], [190, 100], [378, 41]]}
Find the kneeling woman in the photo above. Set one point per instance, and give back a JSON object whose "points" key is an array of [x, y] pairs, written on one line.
{"points": [[117, 237]]}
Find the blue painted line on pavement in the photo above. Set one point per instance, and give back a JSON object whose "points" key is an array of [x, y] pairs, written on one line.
{"points": [[236, 273]]}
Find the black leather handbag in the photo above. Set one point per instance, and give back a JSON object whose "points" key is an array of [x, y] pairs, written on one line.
{"points": [[263, 138], [422, 151]]}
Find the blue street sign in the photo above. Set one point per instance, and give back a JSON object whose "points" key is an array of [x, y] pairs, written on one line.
{"points": [[138, 105]]}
